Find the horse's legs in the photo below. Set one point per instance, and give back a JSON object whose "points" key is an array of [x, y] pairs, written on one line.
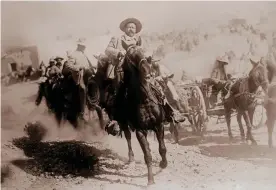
{"points": [[128, 138], [142, 139], [174, 130], [251, 114], [249, 135], [100, 115], [228, 121], [270, 126], [58, 117], [162, 146], [239, 119]]}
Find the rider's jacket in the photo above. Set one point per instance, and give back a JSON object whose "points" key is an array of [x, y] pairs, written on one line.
{"points": [[52, 71], [219, 73], [77, 60], [116, 45]]}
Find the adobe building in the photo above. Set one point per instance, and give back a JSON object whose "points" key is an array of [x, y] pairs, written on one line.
{"points": [[16, 58]]}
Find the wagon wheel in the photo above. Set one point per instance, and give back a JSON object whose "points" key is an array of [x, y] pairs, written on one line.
{"points": [[200, 117], [258, 117]]}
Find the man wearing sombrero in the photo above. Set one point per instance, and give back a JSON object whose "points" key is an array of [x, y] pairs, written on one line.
{"points": [[77, 61], [255, 60], [218, 74], [59, 62], [117, 46]]}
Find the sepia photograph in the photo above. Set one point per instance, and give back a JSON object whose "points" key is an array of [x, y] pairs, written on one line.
{"points": [[135, 95]]}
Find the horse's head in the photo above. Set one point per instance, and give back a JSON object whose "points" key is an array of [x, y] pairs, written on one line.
{"points": [[102, 61], [258, 76], [137, 63]]}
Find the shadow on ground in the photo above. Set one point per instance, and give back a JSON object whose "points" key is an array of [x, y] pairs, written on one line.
{"points": [[72, 158], [187, 138], [260, 154]]}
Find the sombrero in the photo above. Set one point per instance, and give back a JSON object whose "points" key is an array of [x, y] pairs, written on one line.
{"points": [[152, 59], [223, 60], [254, 58], [131, 20], [52, 59], [81, 42], [57, 58]]}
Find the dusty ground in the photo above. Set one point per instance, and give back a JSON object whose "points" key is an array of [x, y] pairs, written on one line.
{"points": [[209, 164]]}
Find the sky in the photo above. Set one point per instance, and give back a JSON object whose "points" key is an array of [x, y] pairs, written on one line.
{"points": [[32, 22], [39, 23]]}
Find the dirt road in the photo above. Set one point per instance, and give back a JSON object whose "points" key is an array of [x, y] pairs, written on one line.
{"points": [[211, 163]]}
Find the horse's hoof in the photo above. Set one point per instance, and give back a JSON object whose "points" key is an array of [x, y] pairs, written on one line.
{"points": [[151, 182], [163, 164], [131, 160]]}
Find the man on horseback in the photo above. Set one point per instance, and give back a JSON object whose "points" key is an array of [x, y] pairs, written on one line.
{"points": [[218, 75], [74, 67], [59, 62], [164, 76], [116, 50], [51, 74], [52, 70], [117, 47]]}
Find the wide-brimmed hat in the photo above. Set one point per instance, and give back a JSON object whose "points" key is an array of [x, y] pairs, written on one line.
{"points": [[52, 59], [81, 42], [222, 60], [152, 59], [131, 20], [255, 59], [57, 58]]}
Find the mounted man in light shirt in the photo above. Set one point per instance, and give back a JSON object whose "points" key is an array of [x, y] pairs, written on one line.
{"points": [[75, 65]]}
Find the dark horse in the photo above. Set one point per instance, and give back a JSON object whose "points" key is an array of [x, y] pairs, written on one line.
{"points": [[62, 98], [243, 99], [137, 106], [270, 101]]}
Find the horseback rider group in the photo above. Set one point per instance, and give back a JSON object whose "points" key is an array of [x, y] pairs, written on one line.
{"points": [[116, 49], [115, 52]]}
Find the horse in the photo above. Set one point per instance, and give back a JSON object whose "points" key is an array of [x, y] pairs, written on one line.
{"points": [[270, 101], [62, 98], [242, 99], [138, 107]]}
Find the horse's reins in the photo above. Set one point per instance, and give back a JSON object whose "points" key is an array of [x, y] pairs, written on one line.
{"points": [[139, 67], [146, 91]]}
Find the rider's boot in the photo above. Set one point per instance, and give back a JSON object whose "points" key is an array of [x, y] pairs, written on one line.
{"points": [[172, 114], [179, 107]]}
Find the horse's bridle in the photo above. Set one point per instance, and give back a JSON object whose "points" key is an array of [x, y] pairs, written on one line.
{"points": [[127, 57]]}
